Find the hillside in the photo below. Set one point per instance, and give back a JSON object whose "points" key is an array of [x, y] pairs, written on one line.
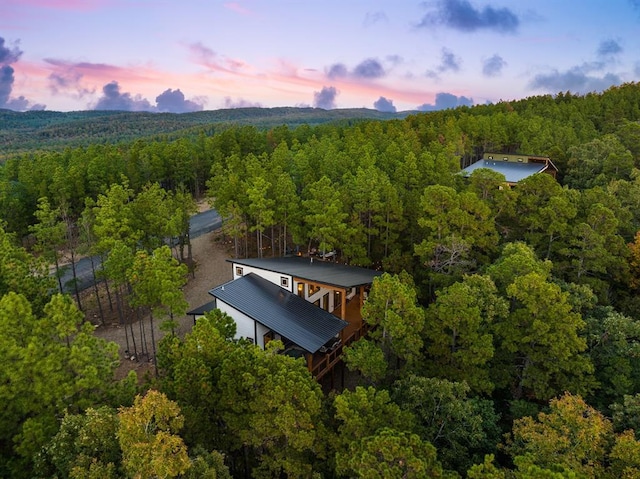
{"points": [[50, 130]]}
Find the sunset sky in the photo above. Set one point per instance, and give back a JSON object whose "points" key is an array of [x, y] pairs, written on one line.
{"points": [[190, 55]]}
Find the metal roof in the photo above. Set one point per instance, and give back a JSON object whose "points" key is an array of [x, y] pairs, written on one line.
{"points": [[307, 325], [205, 308], [311, 269], [513, 172]]}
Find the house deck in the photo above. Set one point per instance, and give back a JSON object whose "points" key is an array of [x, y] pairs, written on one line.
{"points": [[322, 363]]}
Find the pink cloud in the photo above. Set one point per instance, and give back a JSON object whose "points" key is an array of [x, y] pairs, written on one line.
{"points": [[206, 57], [58, 4], [236, 7]]}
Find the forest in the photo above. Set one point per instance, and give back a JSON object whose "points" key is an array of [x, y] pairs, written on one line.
{"points": [[504, 333], [52, 130]]}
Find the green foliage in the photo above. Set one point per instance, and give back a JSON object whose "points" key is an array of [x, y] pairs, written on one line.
{"points": [[157, 281], [51, 362], [362, 414], [393, 454], [539, 349], [626, 414], [22, 273], [462, 430], [190, 375], [571, 435], [396, 319], [208, 465], [614, 348], [367, 358], [383, 193], [486, 470], [458, 231], [84, 441], [57, 130], [459, 329], [271, 407]]}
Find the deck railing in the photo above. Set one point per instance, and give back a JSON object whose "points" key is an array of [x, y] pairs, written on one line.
{"points": [[323, 363]]}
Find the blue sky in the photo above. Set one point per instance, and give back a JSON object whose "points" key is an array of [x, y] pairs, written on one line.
{"points": [[392, 55]]}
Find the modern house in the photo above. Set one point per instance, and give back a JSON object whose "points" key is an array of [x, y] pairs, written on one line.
{"points": [[515, 168], [312, 306]]}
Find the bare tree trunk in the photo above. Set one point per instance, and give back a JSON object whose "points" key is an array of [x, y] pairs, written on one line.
{"points": [[75, 278], [153, 343], [145, 349], [273, 245], [121, 316], [95, 290], [58, 275]]}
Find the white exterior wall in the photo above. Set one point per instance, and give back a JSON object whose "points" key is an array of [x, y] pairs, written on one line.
{"points": [[245, 326], [262, 330], [275, 278]]}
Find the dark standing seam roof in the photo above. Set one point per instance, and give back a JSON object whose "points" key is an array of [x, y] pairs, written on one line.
{"points": [[513, 172], [205, 308], [285, 313], [334, 274]]}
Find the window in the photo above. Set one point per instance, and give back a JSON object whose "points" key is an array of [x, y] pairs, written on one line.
{"points": [[284, 282], [238, 271], [301, 289], [313, 289]]}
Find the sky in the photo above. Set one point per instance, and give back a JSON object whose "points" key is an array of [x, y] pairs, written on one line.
{"points": [[389, 55]]}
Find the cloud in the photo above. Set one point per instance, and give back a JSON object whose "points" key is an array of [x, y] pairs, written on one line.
{"points": [[325, 98], [383, 104], [236, 7], [173, 101], [206, 57], [609, 48], [67, 80], [78, 5], [448, 62], [575, 80], [585, 78], [461, 15], [240, 103], [170, 101], [493, 66], [112, 99], [445, 101], [6, 84], [337, 70], [369, 68], [371, 18], [9, 56]]}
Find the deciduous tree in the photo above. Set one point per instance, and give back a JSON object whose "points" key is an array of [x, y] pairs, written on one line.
{"points": [[148, 436]]}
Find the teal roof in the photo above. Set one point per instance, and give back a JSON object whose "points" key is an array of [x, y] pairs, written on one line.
{"points": [[513, 172]]}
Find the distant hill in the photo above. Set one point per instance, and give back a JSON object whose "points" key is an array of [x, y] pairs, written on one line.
{"points": [[50, 130]]}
